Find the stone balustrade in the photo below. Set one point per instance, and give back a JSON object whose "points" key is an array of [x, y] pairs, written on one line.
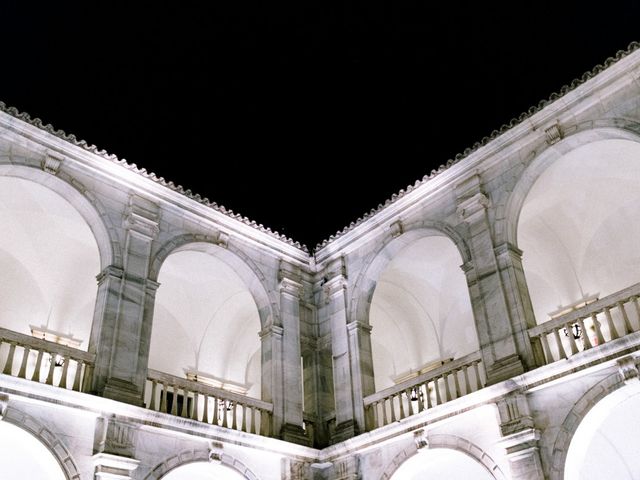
{"points": [[594, 324], [440, 385], [167, 393], [43, 361]]}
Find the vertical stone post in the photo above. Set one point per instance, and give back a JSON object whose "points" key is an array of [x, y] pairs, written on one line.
{"points": [[519, 437], [290, 294], [362, 370], [335, 295], [500, 325], [272, 377], [121, 330], [114, 449]]}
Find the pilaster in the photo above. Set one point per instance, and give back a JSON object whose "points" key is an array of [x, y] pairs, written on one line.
{"points": [[272, 376], [121, 331], [520, 437], [500, 326]]}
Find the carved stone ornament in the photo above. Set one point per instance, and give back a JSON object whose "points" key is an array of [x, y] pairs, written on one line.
{"points": [[628, 369]]}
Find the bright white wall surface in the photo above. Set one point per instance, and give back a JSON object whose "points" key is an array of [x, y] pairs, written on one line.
{"points": [[49, 260], [203, 471], [441, 463], [605, 444], [22, 456], [580, 224], [205, 319], [420, 311]]}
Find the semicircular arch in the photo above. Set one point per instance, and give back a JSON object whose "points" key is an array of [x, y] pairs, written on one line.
{"points": [[187, 457]]}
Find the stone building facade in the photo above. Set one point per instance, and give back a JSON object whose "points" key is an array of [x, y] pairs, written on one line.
{"points": [[483, 321]]}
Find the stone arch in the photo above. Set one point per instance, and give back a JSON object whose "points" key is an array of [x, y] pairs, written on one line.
{"points": [[49, 439], [85, 203], [253, 277], [377, 261], [451, 442], [191, 456], [571, 422], [506, 228]]}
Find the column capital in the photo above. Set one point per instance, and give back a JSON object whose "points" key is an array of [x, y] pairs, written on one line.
{"points": [[628, 370], [507, 249], [291, 287], [142, 217], [357, 325], [334, 285], [471, 209], [111, 467], [271, 330]]}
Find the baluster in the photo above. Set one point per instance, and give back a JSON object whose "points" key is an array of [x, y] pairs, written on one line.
{"points": [[152, 402], [427, 395], [467, 386], [163, 398], [194, 409], [420, 397], [244, 418], [205, 409], [546, 349], [9, 365], [456, 384], [384, 412], [87, 378], [174, 403], [556, 335], [585, 337], [374, 407], [612, 328], [435, 384], [625, 318], [572, 341], [596, 325], [392, 404], [23, 365], [234, 423], [253, 420], [477, 372], [65, 371], [78, 376], [224, 414], [216, 407], [637, 305], [185, 403], [412, 411], [52, 366], [445, 377], [402, 415], [36, 372]]}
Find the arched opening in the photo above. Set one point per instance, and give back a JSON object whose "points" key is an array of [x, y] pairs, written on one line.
{"points": [[23, 456], [441, 463], [207, 317], [49, 260], [605, 443], [420, 312], [578, 227], [203, 471]]}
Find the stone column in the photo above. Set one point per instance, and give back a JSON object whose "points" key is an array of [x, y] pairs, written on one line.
{"points": [[272, 376], [362, 370], [343, 385], [519, 437], [493, 284], [114, 449], [290, 293], [121, 329]]}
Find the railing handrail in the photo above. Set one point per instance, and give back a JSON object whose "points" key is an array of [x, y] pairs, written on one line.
{"points": [[9, 336], [586, 311], [197, 387], [423, 378]]}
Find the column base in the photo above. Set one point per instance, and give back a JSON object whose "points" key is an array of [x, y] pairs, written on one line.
{"points": [[345, 431], [295, 434], [113, 467], [504, 369], [123, 391]]}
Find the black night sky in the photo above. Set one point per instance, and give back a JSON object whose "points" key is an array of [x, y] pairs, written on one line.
{"points": [[283, 111]]}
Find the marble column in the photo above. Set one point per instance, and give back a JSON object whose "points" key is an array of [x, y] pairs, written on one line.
{"points": [[272, 377], [498, 294], [362, 370], [121, 330], [520, 437], [290, 294]]}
